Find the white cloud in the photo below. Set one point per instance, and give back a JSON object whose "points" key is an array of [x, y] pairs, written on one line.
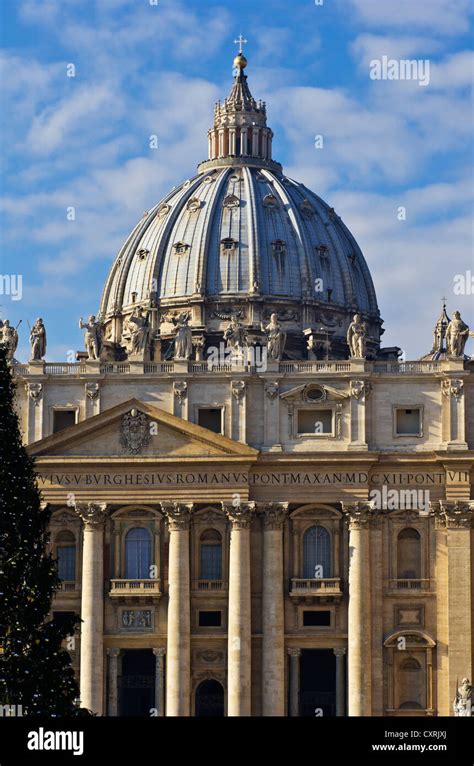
{"points": [[449, 17]]}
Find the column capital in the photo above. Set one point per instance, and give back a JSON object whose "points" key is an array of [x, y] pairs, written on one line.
{"points": [[360, 515], [112, 652], [240, 516], [178, 515], [340, 652], [294, 652], [160, 652], [453, 515], [273, 514], [92, 514]]}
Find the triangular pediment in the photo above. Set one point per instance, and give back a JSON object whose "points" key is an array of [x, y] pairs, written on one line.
{"points": [[136, 429]]}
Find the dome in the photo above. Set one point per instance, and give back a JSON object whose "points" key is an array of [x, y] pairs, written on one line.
{"points": [[241, 238]]}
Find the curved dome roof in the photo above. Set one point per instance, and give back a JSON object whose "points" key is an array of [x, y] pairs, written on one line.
{"points": [[240, 236], [239, 230]]}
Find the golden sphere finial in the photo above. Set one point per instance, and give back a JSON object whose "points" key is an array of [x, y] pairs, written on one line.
{"points": [[240, 61]]}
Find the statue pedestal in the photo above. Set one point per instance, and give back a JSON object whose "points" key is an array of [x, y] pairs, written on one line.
{"points": [[93, 366], [137, 366], [272, 365], [357, 364], [180, 365], [36, 367]]}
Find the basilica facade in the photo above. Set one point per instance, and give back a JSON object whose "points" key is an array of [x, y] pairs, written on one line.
{"points": [[256, 508]]}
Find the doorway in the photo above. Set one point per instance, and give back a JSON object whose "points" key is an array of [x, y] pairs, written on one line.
{"points": [[317, 683], [137, 683], [209, 700]]}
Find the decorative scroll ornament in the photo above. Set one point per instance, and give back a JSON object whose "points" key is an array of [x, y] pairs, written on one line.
{"points": [[92, 514], [35, 392], [180, 388], [453, 387], [92, 391], [134, 432], [360, 388], [271, 389], [238, 389]]}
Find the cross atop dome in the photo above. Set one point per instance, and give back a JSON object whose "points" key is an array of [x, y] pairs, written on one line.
{"points": [[240, 41]]}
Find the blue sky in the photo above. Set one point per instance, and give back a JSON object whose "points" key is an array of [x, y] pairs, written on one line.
{"points": [[143, 69]]}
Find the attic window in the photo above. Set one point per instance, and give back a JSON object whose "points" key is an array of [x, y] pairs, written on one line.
{"points": [[323, 251], [270, 201], [142, 254], [194, 205], [163, 210], [231, 201], [306, 208], [228, 246], [180, 248]]}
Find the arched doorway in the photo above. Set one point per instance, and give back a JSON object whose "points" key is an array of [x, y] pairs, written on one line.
{"points": [[210, 700]]}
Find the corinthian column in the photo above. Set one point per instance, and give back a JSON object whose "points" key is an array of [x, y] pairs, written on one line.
{"points": [[273, 618], [239, 627], [178, 650], [360, 516], [92, 606]]}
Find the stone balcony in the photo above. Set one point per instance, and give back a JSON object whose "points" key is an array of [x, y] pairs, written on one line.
{"points": [[316, 588], [329, 367], [413, 586], [132, 590], [68, 589], [210, 586]]}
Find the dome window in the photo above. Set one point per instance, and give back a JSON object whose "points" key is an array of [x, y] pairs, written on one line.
{"points": [[270, 201], [194, 205], [352, 258], [163, 210], [231, 201], [228, 246], [306, 208], [279, 254], [180, 248], [323, 251], [209, 180], [142, 254]]}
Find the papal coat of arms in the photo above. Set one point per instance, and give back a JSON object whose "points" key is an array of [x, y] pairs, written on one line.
{"points": [[134, 431]]}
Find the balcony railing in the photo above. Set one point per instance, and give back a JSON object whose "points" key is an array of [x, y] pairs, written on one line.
{"points": [[407, 368], [69, 586], [135, 588], [315, 587], [210, 585], [315, 367], [409, 584]]}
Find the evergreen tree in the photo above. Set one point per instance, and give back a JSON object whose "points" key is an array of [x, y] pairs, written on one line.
{"points": [[35, 671]]}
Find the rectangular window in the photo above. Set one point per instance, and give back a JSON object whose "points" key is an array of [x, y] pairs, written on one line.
{"points": [[211, 561], [316, 619], [315, 422], [211, 418], [210, 619], [408, 421], [63, 419], [66, 555]]}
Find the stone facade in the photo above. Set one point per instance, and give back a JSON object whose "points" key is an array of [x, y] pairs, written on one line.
{"points": [[261, 485]]}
